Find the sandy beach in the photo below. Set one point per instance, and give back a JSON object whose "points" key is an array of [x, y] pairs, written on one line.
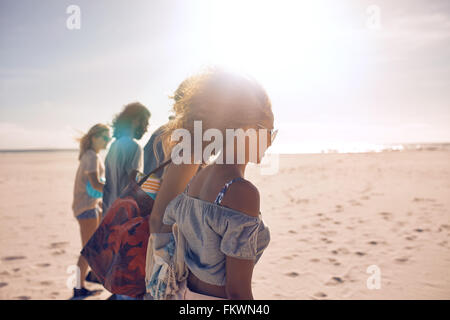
{"points": [[331, 216]]}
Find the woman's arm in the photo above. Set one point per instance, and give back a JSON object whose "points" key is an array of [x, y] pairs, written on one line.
{"points": [[242, 196], [239, 278], [174, 181], [95, 182]]}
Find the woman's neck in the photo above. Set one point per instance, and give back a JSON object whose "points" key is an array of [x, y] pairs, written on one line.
{"points": [[230, 169], [96, 150]]}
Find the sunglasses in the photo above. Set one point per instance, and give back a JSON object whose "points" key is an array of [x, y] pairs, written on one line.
{"points": [[273, 133]]}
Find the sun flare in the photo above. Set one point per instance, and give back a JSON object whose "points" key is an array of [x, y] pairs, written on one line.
{"points": [[263, 37]]}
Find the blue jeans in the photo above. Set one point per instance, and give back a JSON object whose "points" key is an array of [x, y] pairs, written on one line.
{"points": [[89, 214], [122, 297]]}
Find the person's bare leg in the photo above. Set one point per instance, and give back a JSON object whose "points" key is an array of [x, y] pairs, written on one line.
{"points": [[99, 220], [87, 229], [100, 215]]}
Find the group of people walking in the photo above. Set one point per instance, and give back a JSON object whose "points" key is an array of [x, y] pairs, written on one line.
{"points": [[209, 203]]}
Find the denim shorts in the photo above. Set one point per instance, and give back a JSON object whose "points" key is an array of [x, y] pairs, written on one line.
{"points": [[89, 214]]}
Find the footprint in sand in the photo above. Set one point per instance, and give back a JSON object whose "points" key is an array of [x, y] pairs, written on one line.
{"points": [[58, 245], [3, 284], [401, 223], [334, 281], [411, 238], [292, 274], [326, 240], [320, 294], [360, 253], [12, 258], [386, 215], [46, 283], [43, 265], [58, 252], [340, 251], [402, 260], [443, 243], [292, 231], [23, 298], [334, 261], [374, 243], [314, 260]]}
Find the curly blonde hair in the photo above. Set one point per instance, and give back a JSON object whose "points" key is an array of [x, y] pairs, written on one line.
{"points": [[220, 99]]}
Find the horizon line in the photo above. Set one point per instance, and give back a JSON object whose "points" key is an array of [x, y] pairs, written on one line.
{"points": [[46, 149]]}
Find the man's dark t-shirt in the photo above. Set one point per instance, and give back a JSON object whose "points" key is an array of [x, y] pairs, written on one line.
{"points": [[150, 160]]}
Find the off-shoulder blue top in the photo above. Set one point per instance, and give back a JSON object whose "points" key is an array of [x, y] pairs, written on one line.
{"points": [[212, 232]]}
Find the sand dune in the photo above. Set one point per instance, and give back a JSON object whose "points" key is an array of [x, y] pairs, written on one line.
{"points": [[331, 217]]}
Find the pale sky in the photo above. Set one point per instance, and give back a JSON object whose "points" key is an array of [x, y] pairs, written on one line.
{"points": [[332, 75]]}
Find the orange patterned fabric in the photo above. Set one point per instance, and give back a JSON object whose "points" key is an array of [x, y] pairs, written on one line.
{"points": [[117, 250]]}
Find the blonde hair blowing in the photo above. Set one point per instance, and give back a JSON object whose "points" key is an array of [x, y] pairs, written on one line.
{"points": [[86, 141], [220, 99]]}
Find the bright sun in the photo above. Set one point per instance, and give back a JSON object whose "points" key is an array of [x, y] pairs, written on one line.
{"points": [[296, 49], [262, 37]]}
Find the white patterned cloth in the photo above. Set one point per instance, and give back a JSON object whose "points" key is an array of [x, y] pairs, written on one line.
{"points": [[165, 267]]}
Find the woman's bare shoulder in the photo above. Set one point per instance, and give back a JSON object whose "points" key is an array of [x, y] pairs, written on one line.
{"points": [[243, 196]]}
